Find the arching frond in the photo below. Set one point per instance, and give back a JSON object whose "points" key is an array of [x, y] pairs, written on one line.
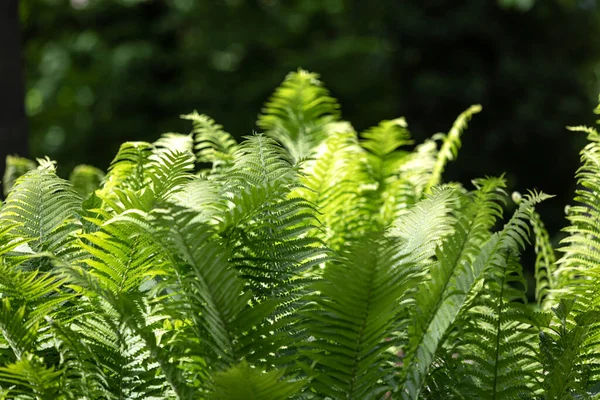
{"points": [[86, 179], [451, 144], [298, 112], [127, 170], [241, 382], [450, 280], [175, 143], [579, 271], [355, 310], [15, 167], [428, 221], [212, 144], [335, 183], [42, 209], [545, 260], [494, 345]]}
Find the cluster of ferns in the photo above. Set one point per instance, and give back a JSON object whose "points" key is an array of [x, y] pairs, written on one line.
{"points": [[308, 261]]}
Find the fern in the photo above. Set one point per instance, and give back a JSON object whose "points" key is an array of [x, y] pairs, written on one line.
{"points": [[305, 262], [451, 279], [212, 143], [298, 113], [355, 311], [42, 211], [451, 144]]}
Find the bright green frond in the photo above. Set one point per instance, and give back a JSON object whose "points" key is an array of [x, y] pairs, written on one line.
{"points": [[451, 144], [564, 350], [175, 143], [15, 167], [451, 278], [335, 181], [43, 209], [579, 271], [86, 179], [212, 144], [493, 348], [545, 260], [242, 382], [29, 375], [356, 309], [298, 112], [427, 222]]}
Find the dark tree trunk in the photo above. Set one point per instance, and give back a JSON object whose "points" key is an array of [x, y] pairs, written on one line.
{"points": [[13, 124]]}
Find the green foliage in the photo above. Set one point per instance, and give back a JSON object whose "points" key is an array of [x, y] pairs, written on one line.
{"points": [[305, 262]]}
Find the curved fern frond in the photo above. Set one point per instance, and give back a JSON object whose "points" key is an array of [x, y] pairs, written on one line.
{"points": [[494, 351], [241, 382], [545, 261], [427, 222], [29, 376], [15, 167], [451, 144], [335, 183], [298, 112], [127, 170], [175, 143], [355, 311], [450, 279], [564, 350], [212, 144], [86, 179], [579, 272], [42, 209]]}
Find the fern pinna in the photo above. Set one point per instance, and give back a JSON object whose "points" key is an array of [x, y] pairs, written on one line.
{"points": [[308, 261]]}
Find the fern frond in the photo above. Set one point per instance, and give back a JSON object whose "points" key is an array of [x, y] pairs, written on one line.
{"points": [[86, 179], [42, 209], [335, 182], [298, 112], [545, 260], [241, 382], [496, 357], [578, 272], [450, 279], [451, 144], [15, 167], [83, 373], [127, 170], [428, 221], [175, 143], [212, 144], [563, 348], [356, 309], [29, 375]]}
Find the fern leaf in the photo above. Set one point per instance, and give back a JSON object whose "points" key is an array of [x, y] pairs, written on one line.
{"points": [[175, 143], [496, 330], [451, 279], [86, 179], [42, 209], [355, 312], [241, 382], [451, 144], [15, 167], [426, 224], [298, 112], [212, 144], [127, 170], [29, 375], [545, 261]]}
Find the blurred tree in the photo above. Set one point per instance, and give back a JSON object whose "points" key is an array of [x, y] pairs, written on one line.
{"points": [[100, 72], [13, 124]]}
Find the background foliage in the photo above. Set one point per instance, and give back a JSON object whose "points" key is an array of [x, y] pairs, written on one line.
{"points": [[100, 72]]}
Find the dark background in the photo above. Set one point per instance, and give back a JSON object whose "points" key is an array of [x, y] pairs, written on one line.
{"points": [[100, 72]]}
